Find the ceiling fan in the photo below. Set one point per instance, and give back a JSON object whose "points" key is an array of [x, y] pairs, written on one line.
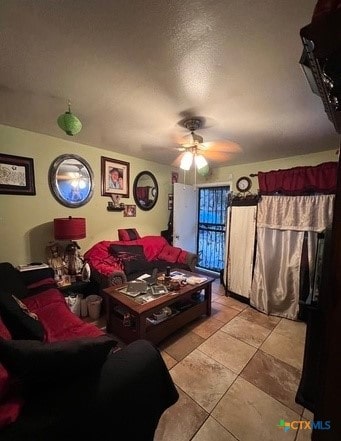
{"points": [[194, 149]]}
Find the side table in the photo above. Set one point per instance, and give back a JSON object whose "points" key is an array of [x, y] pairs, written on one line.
{"points": [[79, 287]]}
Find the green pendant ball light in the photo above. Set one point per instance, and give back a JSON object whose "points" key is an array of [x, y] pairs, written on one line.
{"points": [[69, 122]]}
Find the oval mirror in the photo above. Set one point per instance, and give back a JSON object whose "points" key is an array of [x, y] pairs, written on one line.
{"points": [[145, 190], [71, 180]]}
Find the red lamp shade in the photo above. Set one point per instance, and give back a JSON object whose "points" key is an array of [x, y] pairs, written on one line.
{"points": [[69, 228]]}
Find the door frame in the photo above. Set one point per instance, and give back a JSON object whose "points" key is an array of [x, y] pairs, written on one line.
{"points": [[228, 183]]}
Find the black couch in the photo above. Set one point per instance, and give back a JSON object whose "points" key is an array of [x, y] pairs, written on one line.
{"points": [[122, 399]]}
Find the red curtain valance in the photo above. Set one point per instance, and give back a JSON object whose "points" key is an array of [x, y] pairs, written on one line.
{"points": [[300, 180]]}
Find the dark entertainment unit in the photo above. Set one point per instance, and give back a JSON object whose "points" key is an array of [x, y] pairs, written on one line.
{"points": [[320, 386]]}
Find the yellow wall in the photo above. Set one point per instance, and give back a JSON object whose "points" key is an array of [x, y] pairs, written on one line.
{"points": [[223, 174], [26, 222]]}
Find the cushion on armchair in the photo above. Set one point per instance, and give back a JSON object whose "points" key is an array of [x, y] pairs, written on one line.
{"points": [[36, 362], [169, 253]]}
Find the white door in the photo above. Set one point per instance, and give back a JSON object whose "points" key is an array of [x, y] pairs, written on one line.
{"points": [[185, 217]]}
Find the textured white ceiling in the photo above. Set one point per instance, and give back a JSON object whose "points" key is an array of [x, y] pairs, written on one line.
{"points": [[134, 68]]}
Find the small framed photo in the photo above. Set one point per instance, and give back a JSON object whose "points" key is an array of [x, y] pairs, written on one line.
{"points": [[16, 175], [114, 177], [170, 201], [175, 177], [129, 211], [66, 280]]}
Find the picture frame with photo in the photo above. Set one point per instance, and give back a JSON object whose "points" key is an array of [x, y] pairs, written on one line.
{"points": [[129, 211], [114, 177], [175, 177], [17, 175], [170, 201]]}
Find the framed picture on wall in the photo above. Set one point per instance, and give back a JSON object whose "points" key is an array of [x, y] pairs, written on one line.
{"points": [[170, 201], [114, 177], [175, 177], [129, 211], [16, 175]]}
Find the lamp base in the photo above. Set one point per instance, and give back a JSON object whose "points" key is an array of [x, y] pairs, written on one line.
{"points": [[72, 259]]}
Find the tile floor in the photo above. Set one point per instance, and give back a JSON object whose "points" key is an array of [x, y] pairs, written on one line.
{"points": [[237, 373]]}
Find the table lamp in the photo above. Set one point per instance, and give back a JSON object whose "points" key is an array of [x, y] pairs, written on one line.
{"points": [[72, 229]]}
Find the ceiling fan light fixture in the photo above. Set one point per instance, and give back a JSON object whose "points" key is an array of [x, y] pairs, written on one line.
{"points": [[200, 161], [186, 161], [69, 122]]}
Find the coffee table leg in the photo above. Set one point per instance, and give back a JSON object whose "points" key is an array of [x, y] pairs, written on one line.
{"points": [[141, 326], [108, 313], [208, 297]]}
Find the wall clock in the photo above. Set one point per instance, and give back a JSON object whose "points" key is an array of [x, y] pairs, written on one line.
{"points": [[243, 184]]}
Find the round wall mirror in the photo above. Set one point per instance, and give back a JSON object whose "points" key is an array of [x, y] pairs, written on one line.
{"points": [[146, 190], [71, 180]]}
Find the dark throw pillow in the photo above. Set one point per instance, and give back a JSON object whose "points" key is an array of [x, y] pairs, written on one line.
{"points": [[126, 251], [128, 234], [12, 280], [136, 266], [36, 362], [21, 323]]}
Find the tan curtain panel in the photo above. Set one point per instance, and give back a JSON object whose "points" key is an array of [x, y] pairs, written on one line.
{"points": [[276, 281], [241, 249], [298, 213], [281, 223]]}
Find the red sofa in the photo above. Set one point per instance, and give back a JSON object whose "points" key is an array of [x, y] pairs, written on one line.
{"points": [[36, 408], [109, 268]]}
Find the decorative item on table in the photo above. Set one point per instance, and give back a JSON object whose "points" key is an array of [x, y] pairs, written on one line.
{"points": [[158, 290], [72, 229], [86, 272], [69, 122], [56, 261], [174, 285]]}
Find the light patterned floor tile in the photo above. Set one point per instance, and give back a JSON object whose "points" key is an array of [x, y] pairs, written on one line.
{"points": [[274, 377], [223, 313], [206, 326], [232, 353], [246, 331], [250, 414], [212, 430], [181, 344], [267, 321], [181, 421], [291, 329], [285, 348], [202, 378], [170, 361]]}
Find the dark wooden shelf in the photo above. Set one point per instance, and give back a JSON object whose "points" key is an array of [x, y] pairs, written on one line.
{"points": [[115, 208]]}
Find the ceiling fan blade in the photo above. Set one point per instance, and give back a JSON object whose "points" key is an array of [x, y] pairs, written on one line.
{"points": [[221, 146], [217, 156], [177, 161]]}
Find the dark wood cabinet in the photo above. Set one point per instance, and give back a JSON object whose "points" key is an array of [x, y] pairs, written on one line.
{"points": [[320, 388], [321, 61]]}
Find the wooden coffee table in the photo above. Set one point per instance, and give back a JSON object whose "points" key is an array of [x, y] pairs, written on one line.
{"points": [[130, 320]]}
